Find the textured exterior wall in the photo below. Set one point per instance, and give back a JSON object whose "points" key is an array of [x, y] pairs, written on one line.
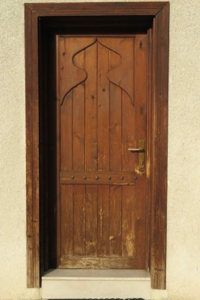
{"points": [[183, 255]]}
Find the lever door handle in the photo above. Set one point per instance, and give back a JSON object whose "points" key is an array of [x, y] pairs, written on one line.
{"points": [[141, 151], [136, 149]]}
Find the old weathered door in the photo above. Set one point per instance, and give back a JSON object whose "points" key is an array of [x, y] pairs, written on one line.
{"points": [[101, 184]]}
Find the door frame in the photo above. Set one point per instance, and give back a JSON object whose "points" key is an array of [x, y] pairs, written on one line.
{"points": [[157, 123]]}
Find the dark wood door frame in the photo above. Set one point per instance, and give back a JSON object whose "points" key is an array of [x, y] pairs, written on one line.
{"points": [[158, 12]]}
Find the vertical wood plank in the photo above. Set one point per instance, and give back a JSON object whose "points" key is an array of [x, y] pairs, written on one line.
{"points": [[66, 219], [78, 160], [128, 193], [155, 275], [141, 123], [29, 152], [103, 144], [115, 161], [148, 148], [128, 163], [35, 247], [128, 129], [103, 220], [103, 109], [64, 151], [91, 148], [115, 128], [128, 221], [115, 221], [79, 219], [79, 120], [91, 109], [60, 44], [66, 109], [160, 61], [91, 220], [141, 86], [66, 133]]}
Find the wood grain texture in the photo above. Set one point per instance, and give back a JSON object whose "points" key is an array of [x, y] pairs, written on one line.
{"points": [[109, 103], [141, 211], [60, 147], [103, 228], [91, 199], [67, 219], [103, 108], [79, 220], [149, 141], [78, 124], [32, 151], [91, 109], [66, 112], [87, 9], [128, 222], [98, 262], [160, 62], [158, 135], [115, 238], [115, 127], [29, 143], [91, 204]]}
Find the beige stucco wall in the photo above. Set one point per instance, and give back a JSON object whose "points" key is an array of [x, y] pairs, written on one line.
{"points": [[183, 248]]}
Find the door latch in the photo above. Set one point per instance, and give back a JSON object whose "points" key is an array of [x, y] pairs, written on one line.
{"points": [[141, 151]]}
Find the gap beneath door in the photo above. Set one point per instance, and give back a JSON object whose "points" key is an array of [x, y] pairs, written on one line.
{"points": [[83, 283]]}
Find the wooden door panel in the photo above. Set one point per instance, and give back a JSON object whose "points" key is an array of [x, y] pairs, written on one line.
{"points": [[101, 112], [79, 220], [91, 109], [115, 237], [67, 219], [91, 205], [65, 148], [103, 229]]}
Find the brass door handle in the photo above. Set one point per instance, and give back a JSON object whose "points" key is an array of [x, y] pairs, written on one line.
{"points": [[136, 149], [141, 151]]}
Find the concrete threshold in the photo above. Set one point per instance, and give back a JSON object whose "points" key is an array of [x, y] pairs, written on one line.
{"points": [[87, 283]]}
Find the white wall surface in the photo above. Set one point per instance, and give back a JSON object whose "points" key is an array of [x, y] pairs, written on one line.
{"points": [[183, 248]]}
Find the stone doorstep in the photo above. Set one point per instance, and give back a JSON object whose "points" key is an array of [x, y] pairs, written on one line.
{"points": [[96, 284]]}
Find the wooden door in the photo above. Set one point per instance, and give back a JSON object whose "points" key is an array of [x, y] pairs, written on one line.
{"points": [[102, 206]]}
